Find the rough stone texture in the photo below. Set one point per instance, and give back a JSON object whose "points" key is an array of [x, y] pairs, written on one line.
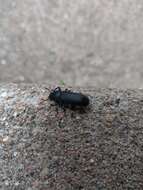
{"points": [[82, 42], [42, 148]]}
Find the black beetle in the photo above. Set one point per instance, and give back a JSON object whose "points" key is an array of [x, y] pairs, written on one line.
{"points": [[68, 98]]}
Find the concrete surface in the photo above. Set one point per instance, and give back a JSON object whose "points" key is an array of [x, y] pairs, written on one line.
{"points": [[88, 43], [41, 148]]}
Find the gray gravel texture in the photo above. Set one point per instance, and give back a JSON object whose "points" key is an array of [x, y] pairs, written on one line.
{"points": [[43, 148], [86, 43]]}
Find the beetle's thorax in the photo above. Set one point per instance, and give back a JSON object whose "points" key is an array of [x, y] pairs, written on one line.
{"points": [[55, 94]]}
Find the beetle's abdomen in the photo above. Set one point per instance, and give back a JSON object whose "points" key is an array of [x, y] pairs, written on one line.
{"points": [[85, 101], [74, 99]]}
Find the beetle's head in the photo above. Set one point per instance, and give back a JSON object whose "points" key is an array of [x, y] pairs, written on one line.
{"points": [[55, 93]]}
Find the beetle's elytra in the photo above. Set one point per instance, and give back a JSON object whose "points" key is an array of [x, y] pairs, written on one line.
{"points": [[68, 98]]}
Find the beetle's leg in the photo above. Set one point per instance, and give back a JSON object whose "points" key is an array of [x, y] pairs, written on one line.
{"points": [[72, 107], [64, 109], [57, 111], [61, 114], [61, 105], [52, 104]]}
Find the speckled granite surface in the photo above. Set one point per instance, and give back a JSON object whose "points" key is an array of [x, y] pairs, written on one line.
{"points": [[41, 147]]}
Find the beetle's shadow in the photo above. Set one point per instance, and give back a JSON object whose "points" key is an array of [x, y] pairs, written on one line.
{"points": [[75, 109], [79, 110]]}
